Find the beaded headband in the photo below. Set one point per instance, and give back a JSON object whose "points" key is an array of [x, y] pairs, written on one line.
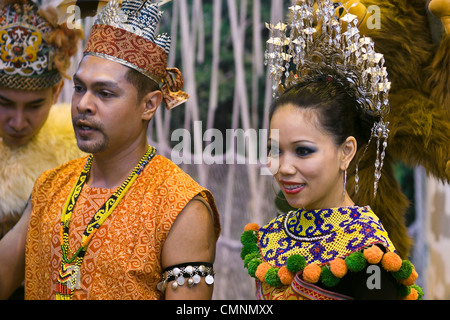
{"points": [[26, 56], [126, 34], [316, 45]]}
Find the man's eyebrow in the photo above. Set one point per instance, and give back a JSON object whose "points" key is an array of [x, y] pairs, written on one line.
{"points": [[5, 99], [76, 78], [37, 101], [99, 83]]}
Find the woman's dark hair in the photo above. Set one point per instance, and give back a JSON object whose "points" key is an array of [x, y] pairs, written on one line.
{"points": [[338, 111]]}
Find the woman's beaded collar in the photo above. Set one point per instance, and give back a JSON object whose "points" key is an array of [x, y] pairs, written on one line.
{"points": [[313, 225], [327, 273]]}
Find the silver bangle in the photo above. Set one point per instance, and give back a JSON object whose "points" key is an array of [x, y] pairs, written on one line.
{"points": [[190, 273]]}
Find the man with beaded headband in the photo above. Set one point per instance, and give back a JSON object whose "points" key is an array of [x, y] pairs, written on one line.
{"points": [[124, 222], [35, 136], [331, 92]]}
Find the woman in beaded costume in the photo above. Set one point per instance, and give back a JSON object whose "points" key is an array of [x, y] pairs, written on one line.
{"points": [[329, 248]]}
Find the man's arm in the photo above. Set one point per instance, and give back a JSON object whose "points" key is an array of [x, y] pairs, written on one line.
{"points": [[191, 239], [12, 256]]}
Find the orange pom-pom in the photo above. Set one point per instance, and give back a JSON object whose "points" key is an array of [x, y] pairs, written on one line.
{"points": [[286, 277], [311, 273], [391, 262], [261, 271], [411, 279], [373, 254], [338, 267], [414, 295], [251, 226]]}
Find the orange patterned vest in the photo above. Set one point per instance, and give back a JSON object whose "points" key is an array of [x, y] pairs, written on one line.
{"points": [[123, 259]]}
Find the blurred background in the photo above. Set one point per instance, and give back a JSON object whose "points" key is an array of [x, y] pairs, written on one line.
{"points": [[219, 47]]}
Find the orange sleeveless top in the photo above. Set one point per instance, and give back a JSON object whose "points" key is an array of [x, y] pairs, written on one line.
{"points": [[123, 258]]}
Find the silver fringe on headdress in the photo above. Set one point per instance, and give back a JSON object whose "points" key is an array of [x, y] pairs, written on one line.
{"points": [[316, 44]]}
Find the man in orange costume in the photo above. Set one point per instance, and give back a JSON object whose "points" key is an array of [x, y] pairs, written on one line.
{"points": [[123, 223]]}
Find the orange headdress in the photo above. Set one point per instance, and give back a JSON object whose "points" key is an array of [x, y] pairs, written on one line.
{"points": [[126, 34]]}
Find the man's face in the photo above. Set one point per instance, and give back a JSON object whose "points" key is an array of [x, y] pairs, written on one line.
{"points": [[105, 111], [22, 114]]}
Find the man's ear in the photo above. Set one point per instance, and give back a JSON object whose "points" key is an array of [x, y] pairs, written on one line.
{"points": [[57, 90], [151, 102], [348, 151]]}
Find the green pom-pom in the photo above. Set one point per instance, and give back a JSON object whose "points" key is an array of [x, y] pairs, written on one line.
{"points": [[252, 266], [404, 272], [295, 263], [403, 291], [419, 291], [328, 278], [272, 278], [249, 258], [247, 249], [248, 237], [356, 262]]}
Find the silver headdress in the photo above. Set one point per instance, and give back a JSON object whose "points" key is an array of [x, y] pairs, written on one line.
{"points": [[316, 44]]}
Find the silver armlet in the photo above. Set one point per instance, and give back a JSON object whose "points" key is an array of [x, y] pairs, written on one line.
{"points": [[187, 272]]}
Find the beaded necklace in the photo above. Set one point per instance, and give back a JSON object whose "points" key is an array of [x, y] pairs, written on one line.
{"points": [[69, 274]]}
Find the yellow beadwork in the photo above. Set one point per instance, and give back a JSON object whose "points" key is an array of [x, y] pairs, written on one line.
{"points": [[100, 216], [281, 254], [321, 236]]}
